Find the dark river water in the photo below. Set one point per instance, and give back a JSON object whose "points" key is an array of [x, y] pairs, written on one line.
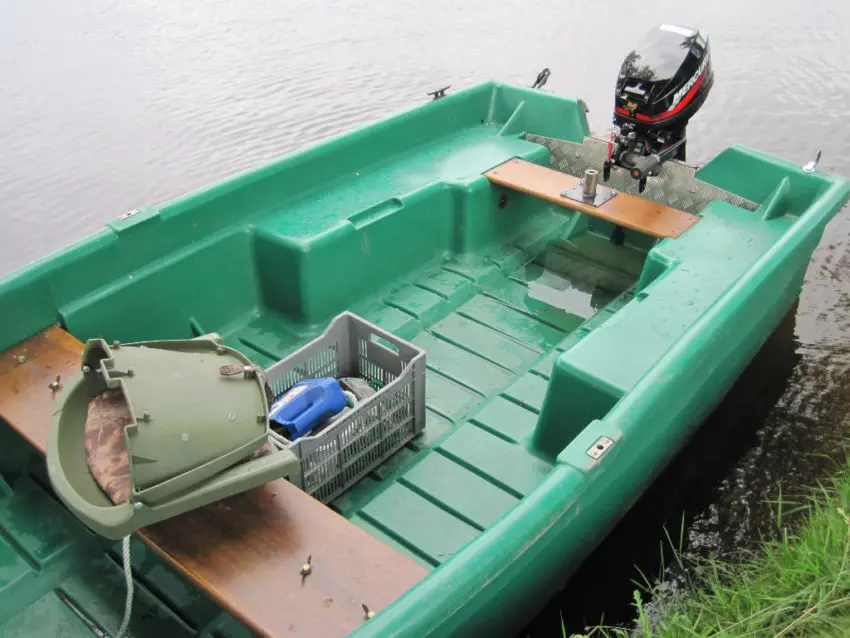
{"points": [[105, 106]]}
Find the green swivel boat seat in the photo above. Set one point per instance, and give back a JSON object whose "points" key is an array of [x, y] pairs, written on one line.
{"points": [[153, 429]]}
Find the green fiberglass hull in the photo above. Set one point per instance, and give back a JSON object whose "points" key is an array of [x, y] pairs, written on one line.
{"points": [[544, 339]]}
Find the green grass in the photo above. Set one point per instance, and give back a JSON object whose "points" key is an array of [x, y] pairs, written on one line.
{"points": [[798, 585]]}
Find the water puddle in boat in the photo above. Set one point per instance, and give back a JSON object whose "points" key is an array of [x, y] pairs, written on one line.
{"points": [[578, 283], [556, 291]]}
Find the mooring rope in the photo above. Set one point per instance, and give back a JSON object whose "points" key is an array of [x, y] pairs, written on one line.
{"points": [[128, 580]]}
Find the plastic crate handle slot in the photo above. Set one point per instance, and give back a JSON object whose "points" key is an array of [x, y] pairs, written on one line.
{"points": [[383, 343]]}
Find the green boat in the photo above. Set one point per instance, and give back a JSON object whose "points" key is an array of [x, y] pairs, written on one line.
{"points": [[573, 345]]}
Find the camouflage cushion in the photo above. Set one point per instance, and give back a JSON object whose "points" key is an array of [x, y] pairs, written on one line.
{"points": [[106, 453]]}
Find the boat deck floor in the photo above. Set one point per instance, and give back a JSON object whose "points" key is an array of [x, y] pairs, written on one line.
{"points": [[491, 327]]}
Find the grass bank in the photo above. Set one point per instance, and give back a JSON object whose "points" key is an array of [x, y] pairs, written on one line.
{"points": [[797, 585]]}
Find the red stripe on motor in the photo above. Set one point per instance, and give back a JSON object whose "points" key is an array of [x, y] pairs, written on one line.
{"points": [[688, 97]]}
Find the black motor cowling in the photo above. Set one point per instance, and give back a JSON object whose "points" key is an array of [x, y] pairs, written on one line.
{"points": [[662, 83]]}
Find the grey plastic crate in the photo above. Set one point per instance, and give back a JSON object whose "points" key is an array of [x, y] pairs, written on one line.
{"points": [[356, 442]]}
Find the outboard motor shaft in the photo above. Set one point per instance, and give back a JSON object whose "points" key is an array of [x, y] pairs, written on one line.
{"points": [[662, 83]]}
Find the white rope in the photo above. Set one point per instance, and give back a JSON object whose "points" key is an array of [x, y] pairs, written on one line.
{"points": [[128, 580]]}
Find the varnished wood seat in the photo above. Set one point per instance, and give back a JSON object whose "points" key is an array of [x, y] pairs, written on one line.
{"points": [[245, 551], [630, 211]]}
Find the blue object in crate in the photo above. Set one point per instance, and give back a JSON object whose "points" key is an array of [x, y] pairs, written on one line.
{"points": [[307, 404]]}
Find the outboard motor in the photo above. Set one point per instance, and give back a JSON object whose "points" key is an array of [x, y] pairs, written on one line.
{"points": [[662, 83]]}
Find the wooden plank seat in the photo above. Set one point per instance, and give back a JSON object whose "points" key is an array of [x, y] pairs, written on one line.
{"points": [[244, 551], [630, 211]]}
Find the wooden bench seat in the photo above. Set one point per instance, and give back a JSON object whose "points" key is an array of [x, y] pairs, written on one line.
{"points": [[245, 551], [630, 211]]}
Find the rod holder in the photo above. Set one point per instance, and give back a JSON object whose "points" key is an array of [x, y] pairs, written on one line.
{"points": [[588, 191], [591, 180]]}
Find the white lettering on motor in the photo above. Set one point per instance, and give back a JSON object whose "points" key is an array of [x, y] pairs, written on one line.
{"points": [[681, 93]]}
